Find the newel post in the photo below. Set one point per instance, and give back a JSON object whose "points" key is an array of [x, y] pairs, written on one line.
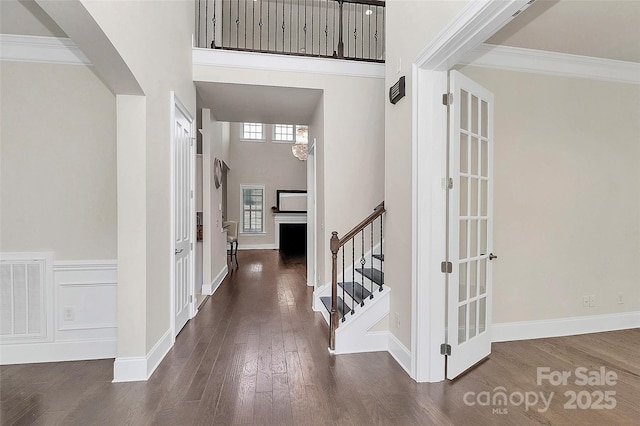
{"points": [[335, 247]]}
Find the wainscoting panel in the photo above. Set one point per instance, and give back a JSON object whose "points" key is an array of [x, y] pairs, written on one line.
{"points": [[58, 310]]}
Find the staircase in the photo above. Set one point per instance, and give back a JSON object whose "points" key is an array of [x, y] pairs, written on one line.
{"points": [[357, 299]]}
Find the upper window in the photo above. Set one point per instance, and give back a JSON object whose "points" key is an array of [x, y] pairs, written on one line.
{"points": [[289, 133], [283, 132], [252, 197], [253, 131]]}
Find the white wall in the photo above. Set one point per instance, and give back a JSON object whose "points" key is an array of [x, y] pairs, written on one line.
{"points": [[58, 161], [215, 145], [268, 163], [154, 40], [567, 197], [58, 192], [425, 20]]}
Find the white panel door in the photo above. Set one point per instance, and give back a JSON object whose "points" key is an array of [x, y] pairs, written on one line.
{"points": [[183, 214], [470, 221]]}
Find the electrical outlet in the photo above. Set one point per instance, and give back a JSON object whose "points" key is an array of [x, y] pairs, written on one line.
{"points": [[585, 301], [592, 301], [68, 314], [620, 298]]}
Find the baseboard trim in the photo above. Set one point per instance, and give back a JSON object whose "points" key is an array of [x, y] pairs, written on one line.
{"points": [[209, 289], [525, 330], [257, 247], [136, 369], [76, 350], [400, 353]]}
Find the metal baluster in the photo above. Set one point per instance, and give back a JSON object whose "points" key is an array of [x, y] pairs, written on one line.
{"points": [[198, 23], [268, 25], [298, 32], [238, 24], [369, 39], [333, 33], [213, 39], [343, 302], [305, 26], [355, 31], [245, 25], [382, 51], [375, 36], [312, 16], [283, 27], [253, 25], [363, 261], [371, 242], [348, 22], [326, 28], [381, 251], [260, 24], [362, 27], [275, 29], [290, 28], [353, 260]]}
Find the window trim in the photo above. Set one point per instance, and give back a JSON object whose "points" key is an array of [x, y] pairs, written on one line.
{"points": [[241, 227], [245, 139]]}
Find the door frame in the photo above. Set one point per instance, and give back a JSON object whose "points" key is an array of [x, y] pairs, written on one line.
{"points": [[470, 28], [311, 215], [176, 104]]}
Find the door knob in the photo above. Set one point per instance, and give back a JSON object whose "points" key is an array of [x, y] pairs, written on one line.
{"points": [[179, 251], [492, 256]]}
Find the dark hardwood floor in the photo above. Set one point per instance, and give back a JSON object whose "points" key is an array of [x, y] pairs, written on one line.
{"points": [[257, 354]]}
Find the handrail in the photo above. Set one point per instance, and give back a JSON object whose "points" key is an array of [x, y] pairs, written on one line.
{"points": [[335, 245], [378, 211]]}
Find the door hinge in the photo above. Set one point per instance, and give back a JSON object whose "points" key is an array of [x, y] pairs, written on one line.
{"points": [[191, 246], [447, 183], [446, 267], [445, 349], [190, 298], [447, 99], [192, 193]]}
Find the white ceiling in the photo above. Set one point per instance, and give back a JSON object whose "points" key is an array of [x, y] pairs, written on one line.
{"points": [[262, 104], [607, 29]]}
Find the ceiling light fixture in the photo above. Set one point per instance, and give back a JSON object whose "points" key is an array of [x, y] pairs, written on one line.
{"points": [[368, 12]]}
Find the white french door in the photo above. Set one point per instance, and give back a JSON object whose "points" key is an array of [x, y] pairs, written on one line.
{"points": [[470, 223], [184, 160]]}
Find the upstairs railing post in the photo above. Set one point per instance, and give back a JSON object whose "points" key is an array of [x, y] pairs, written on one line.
{"points": [[340, 42], [335, 247]]}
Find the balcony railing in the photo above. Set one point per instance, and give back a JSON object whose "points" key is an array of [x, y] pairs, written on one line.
{"points": [[343, 29]]}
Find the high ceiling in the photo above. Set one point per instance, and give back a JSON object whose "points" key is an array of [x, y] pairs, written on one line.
{"points": [[262, 104], [607, 29]]}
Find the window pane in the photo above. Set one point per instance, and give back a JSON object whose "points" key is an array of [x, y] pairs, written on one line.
{"points": [[252, 209], [253, 131], [283, 132]]}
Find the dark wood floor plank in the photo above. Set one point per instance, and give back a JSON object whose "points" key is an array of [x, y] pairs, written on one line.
{"points": [[256, 353]]}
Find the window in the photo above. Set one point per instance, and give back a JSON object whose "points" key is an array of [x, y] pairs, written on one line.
{"points": [[252, 131], [252, 199], [289, 133], [283, 132]]}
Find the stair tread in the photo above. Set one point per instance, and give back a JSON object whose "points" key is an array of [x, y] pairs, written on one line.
{"points": [[355, 290], [375, 275], [379, 257], [343, 309]]}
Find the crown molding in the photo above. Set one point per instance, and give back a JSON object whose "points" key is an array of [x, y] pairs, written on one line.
{"points": [[40, 49], [552, 63]]}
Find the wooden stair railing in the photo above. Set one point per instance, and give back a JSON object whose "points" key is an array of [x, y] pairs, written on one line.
{"points": [[372, 274]]}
